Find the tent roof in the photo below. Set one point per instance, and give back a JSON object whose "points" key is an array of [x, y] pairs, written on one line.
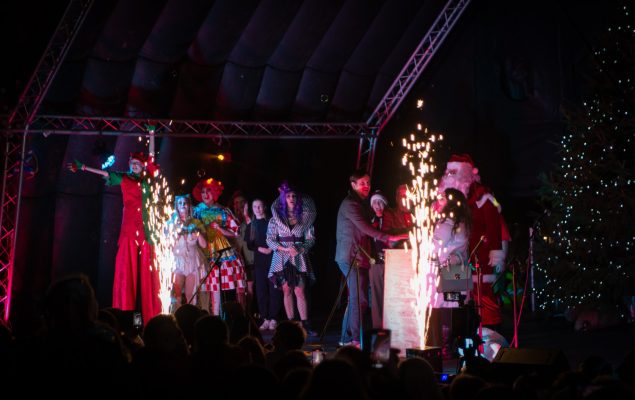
{"points": [[227, 60]]}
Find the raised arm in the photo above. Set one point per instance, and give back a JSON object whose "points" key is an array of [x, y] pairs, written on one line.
{"points": [[358, 219], [151, 142], [78, 166]]}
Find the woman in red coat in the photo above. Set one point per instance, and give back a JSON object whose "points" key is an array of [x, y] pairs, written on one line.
{"points": [[136, 282]]}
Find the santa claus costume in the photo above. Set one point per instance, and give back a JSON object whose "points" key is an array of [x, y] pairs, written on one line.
{"points": [[488, 232]]}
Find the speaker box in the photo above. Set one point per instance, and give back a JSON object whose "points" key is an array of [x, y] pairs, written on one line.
{"points": [[547, 364], [449, 324]]}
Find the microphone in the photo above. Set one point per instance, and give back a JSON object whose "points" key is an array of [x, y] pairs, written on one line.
{"points": [[483, 239]]}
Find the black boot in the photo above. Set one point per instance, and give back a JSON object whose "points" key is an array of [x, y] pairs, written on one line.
{"points": [[307, 327]]}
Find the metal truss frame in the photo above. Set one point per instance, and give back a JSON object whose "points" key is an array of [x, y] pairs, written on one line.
{"points": [[74, 125], [16, 136], [24, 120], [408, 76]]}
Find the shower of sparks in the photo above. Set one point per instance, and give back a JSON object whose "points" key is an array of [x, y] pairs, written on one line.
{"points": [[420, 196], [159, 206]]}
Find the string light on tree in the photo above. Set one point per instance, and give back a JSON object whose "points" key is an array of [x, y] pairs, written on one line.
{"points": [[587, 256]]}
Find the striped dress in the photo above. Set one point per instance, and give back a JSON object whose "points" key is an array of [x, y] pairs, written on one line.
{"points": [[301, 235]]}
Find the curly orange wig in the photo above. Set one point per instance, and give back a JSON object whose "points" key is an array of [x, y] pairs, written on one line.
{"points": [[215, 185]]}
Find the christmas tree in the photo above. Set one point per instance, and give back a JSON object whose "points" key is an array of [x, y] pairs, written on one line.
{"points": [[587, 237]]}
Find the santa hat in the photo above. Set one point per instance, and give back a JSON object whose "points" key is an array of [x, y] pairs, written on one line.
{"points": [[462, 163], [378, 196], [139, 155], [211, 183]]}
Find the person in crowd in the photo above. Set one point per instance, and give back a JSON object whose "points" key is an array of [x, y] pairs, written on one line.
{"points": [[269, 298], [419, 380], [290, 235], [136, 282], [289, 335], [228, 274], [186, 316], [165, 353], [354, 234], [190, 262]]}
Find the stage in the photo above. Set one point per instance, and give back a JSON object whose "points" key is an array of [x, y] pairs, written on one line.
{"points": [[554, 334]]}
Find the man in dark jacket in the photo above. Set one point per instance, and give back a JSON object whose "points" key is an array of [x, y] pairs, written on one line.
{"points": [[354, 236]]}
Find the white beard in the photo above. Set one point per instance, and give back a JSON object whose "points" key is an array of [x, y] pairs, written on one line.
{"points": [[455, 182]]}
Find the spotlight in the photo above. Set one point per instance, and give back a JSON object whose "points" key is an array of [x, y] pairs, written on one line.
{"points": [[223, 157]]}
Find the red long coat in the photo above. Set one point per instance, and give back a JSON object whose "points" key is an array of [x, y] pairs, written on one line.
{"points": [[135, 255]]}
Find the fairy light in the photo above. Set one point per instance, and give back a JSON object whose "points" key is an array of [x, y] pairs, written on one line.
{"points": [[586, 253], [420, 195]]}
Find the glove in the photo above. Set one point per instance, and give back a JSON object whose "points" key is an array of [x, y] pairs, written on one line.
{"points": [[76, 166], [497, 260]]}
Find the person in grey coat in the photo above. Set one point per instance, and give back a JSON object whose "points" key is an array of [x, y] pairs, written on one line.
{"points": [[354, 236]]}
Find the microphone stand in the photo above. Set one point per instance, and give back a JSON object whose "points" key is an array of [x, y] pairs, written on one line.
{"points": [[339, 294], [479, 279], [216, 263]]}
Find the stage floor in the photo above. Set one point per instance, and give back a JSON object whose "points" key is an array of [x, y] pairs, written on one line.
{"points": [[535, 332]]}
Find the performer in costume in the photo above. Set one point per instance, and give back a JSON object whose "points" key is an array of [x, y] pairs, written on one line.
{"points": [[290, 235], [487, 233], [134, 270], [189, 251], [219, 222]]}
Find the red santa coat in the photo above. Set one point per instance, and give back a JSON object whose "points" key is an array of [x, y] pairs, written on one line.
{"points": [[485, 245]]}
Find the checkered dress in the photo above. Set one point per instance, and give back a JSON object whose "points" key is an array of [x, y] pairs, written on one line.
{"points": [[301, 235], [232, 271]]}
